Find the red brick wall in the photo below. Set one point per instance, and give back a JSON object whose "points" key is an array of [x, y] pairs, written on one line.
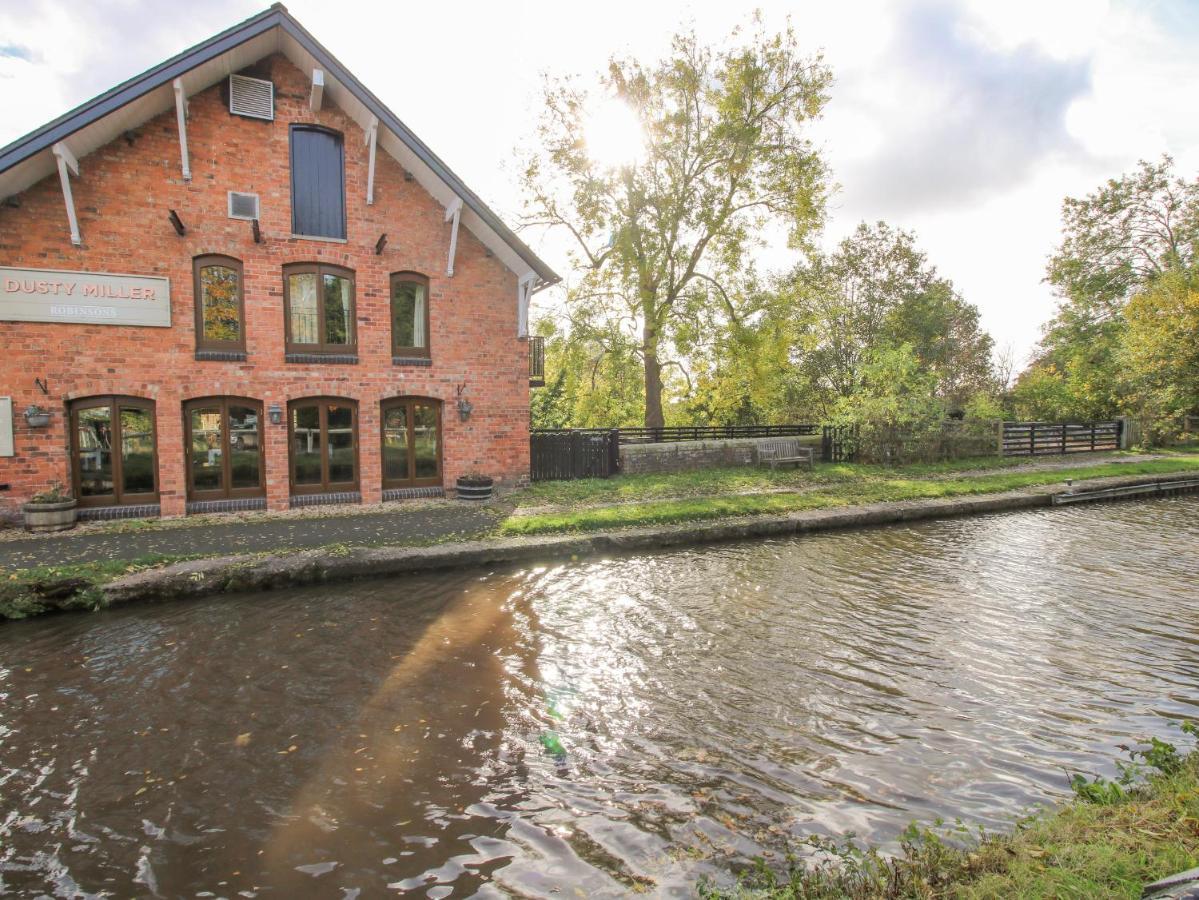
{"points": [[122, 196]]}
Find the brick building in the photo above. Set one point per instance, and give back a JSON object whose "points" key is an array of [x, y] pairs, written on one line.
{"points": [[239, 281]]}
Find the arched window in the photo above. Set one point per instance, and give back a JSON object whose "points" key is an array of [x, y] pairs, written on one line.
{"points": [[224, 448], [220, 305], [114, 451], [320, 309], [411, 432], [323, 440], [409, 315]]}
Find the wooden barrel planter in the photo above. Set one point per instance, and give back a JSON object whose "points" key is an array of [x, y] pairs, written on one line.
{"points": [[474, 487], [49, 516]]}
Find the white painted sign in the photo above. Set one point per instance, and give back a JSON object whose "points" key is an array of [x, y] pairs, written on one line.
{"points": [[92, 298], [6, 426]]}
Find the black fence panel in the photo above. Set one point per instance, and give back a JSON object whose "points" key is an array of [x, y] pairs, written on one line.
{"points": [[675, 433], [839, 443], [1059, 438], [574, 453]]}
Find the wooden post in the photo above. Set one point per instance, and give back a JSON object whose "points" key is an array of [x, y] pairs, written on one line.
{"points": [[1065, 428], [1032, 438], [576, 453]]}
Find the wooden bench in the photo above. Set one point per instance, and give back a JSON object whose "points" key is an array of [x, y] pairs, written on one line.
{"points": [[781, 451]]}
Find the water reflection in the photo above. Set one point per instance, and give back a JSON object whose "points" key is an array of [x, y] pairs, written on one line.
{"points": [[593, 727]]}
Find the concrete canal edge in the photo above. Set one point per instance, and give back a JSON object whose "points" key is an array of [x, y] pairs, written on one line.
{"points": [[198, 578]]}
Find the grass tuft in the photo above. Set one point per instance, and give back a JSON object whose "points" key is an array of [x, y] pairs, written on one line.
{"points": [[1147, 830]]}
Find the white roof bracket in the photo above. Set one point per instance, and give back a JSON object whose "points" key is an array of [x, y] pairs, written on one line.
{"points": [[68, 165], [318, 90], [524, 293], [181, 118], [372, 140], [453, 212]]}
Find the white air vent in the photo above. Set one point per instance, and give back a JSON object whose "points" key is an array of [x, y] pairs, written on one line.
{"points": [[251, 97], [243, 206]]}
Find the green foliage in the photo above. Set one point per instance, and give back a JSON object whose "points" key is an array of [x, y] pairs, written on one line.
{"points": [[895, 389], [55, 494], [1161, 354]]}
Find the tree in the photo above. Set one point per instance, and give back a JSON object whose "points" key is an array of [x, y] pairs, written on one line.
{"points": [[1131, 231], [1116, 242], [725, 154], [878, 291]]}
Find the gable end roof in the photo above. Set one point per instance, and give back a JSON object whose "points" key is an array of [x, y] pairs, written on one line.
{"points": [[276, 16]]}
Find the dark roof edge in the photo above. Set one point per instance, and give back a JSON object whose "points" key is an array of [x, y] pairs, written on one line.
{"points": [[128, 91], [111, 100]]}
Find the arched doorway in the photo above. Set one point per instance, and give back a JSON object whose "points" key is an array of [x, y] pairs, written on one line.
{"points": [[411, 434], [114, 451]]}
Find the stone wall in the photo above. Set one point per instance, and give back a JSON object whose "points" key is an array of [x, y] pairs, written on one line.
{"points": [[688, 456]]}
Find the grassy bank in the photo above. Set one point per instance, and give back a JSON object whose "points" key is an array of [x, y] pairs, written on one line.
{"points": [[719, 493], [32, 591], [1110, 841]]}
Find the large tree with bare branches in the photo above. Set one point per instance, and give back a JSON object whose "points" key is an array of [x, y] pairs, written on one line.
{"points": [[726, 156]]}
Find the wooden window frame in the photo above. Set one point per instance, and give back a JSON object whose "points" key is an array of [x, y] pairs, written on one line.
{"points": [[114, 402], [424, 352], [325, 487], [291, 162], [322, 348], [412, 480], [202, 343], [228, 492]]}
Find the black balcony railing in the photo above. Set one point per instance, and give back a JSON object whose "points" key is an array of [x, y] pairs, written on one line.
{"points": [[536, 362]]}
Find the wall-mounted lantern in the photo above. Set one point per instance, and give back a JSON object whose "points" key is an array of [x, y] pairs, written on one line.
{"points": [[465, 407], [36, 417], [276, 414]]}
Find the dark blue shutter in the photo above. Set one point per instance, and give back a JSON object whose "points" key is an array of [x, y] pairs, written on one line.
{"points": [[318, 184]]}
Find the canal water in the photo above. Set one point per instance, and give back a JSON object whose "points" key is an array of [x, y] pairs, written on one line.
{"points": [[592, 728]]}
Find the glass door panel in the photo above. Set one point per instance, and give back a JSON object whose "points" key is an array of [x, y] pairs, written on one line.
{"points": [[137, 451], [425, 441], [395, 443], [93, 451], [340, 439], [206, 453], [306, 445], [245, 448]]}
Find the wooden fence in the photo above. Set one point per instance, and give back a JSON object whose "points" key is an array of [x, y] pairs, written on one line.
{"points": [[1056, 439], [573, 453]]}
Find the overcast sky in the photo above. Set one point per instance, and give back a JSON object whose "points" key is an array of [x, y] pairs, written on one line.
{"points": [[966, 122]]}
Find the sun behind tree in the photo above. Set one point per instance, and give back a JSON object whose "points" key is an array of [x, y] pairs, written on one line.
{"points": [[670, 224]]}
